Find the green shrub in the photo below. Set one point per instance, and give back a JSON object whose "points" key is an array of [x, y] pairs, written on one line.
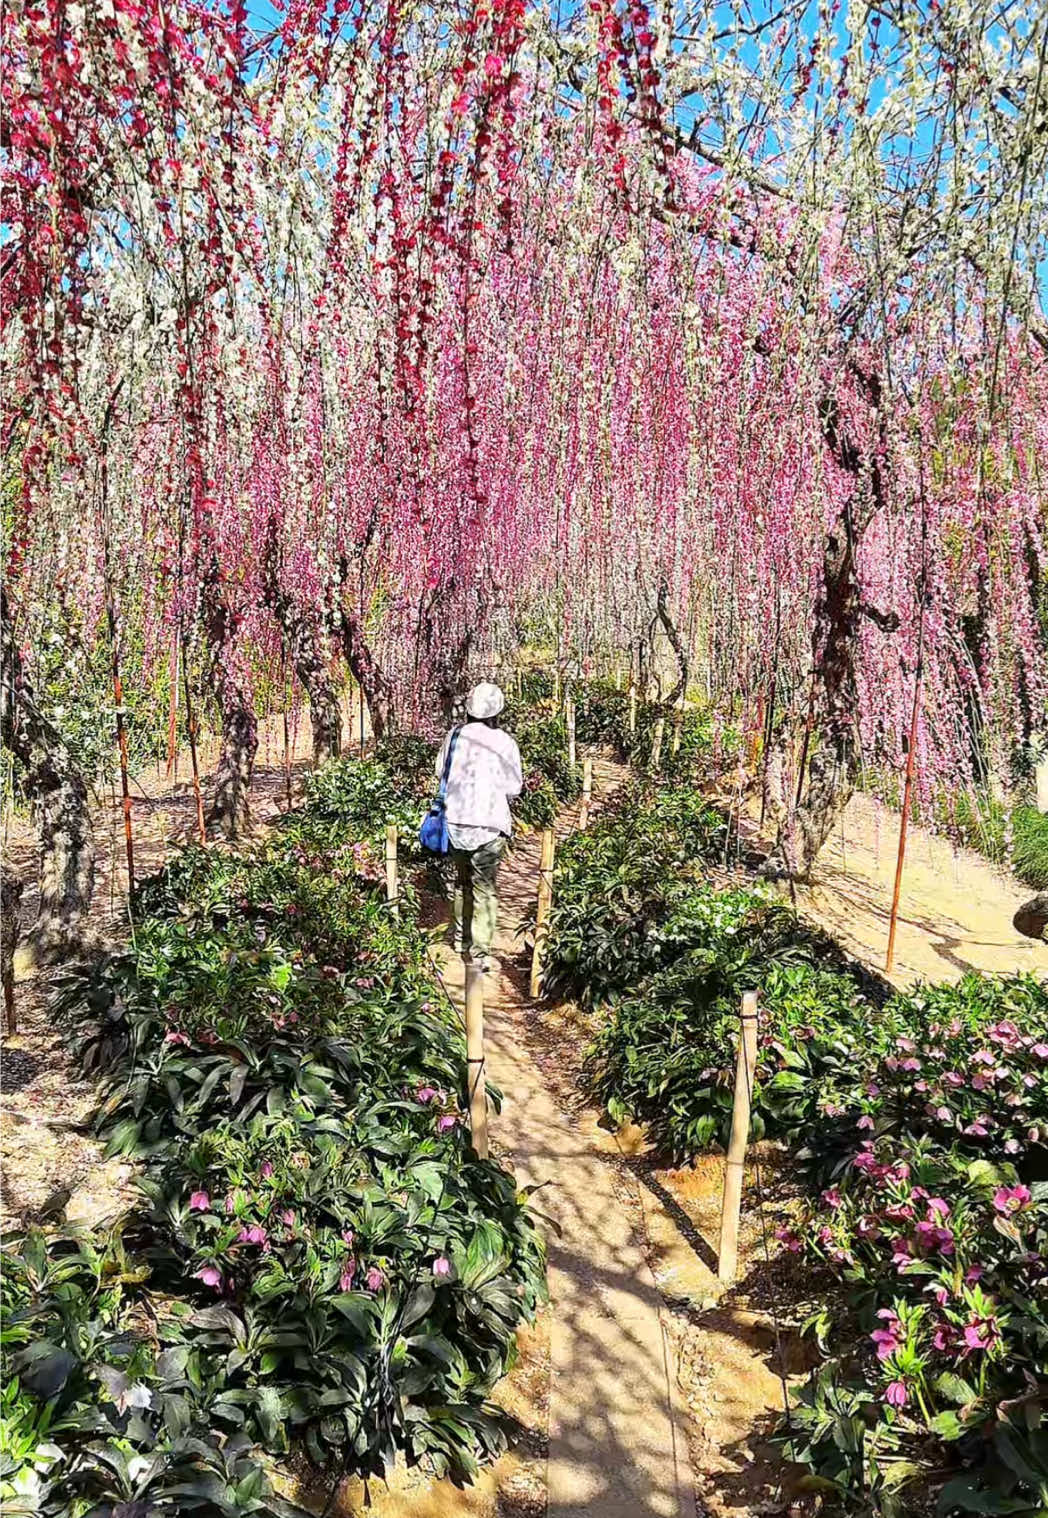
{"points": [[615, 883], [335, 1265]]}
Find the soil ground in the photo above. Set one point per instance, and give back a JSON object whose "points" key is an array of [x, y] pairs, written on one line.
{"points": [[732, 1350]]}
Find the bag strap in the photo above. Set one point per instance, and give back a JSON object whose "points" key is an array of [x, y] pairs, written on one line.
{"points": [[447, 763]]}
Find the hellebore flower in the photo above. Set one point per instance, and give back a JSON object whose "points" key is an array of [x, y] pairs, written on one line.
{"points": [[199, 1202], [345, 1280], [375, 1279], [1010, 1199], [210, 1275], [426, 1094], [256, 1234], [446, 1123], [981, 1333], [442, 1265], [887, 1339], [895, 1394]]}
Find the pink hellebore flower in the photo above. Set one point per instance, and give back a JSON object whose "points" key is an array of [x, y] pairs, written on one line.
{"points": [[1041, 1051], [174, 1037], [832, 1197], [887, 1339], [866, 1121], [288, 1217], [199, 1202], [441, 1265], [349, 1270], [980, 1333], [347, 1237], [446, 1123], [426, 1094], [211, 1276], [375, 1279], [266, 1171], [256, 1234], [895, 1394], [789, 1238], [1009, 1199]]}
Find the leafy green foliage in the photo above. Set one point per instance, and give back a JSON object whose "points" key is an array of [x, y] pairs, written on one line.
{"points": [[330, 1264], [616, 881]]}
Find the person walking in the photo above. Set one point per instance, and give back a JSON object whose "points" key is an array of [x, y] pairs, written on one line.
{"points": [[485, 776]]}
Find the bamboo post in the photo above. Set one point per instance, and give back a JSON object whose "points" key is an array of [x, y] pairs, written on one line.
{"points": [[392, 889], [478, 1100], [907, 791], [556, 689], [545, 898], [731, 1209], [569, 720], [587, 794], [191, 729], [633, 710], [172, 715], [656, 743]]}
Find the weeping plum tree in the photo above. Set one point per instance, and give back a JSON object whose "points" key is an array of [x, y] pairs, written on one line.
{"points": [[432, 319], [58, 796]]}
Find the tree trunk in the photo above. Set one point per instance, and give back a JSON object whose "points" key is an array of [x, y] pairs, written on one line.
{"points": [[58, 796], [10, 932], [378, 692], [305, 640], [833, 756], [230, 811], [834, 749]]}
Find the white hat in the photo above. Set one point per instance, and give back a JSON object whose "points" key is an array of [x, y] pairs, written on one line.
{"points": [[484, 701]]}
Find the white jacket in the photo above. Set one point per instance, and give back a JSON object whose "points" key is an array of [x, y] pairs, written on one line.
{"points": [[485, 776]]}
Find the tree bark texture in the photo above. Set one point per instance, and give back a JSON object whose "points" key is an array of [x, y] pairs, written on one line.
{"points": [[58, 796]]}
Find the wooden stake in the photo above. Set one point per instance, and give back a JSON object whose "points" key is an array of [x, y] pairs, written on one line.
{"points": [[545, 899], [907, 790], [478, 1100], [392, 889], [191, 729], [656, 743], [556, 689], [172, 714], [731, 1209], [287, 737], [569, 719], [587, 794], [633, 709]]}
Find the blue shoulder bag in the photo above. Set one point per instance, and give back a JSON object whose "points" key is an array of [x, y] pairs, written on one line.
{"points": [[433, 834]]}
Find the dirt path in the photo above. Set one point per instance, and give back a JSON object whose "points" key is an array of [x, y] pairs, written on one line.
{"points": [[956, 907], [617, 1447]]}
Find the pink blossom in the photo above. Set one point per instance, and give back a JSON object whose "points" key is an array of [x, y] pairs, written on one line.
{"points": [[375, 1279], [256, 1234], [832, 1197], [174, 1037], [442, 1265], [349, 1270], [866, 1121], [895, 1394], [199, 1202], [980, 1333], [789, 1238], [426, 1094], [493, 65], [1011, 1199], [210, 1275], [288, 1217], [266, 1171], [446, 1123]]}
